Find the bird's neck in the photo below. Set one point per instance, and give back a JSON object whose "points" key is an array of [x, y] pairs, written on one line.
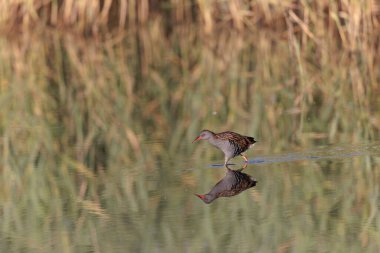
{"points": [[213, 140], [211, 197]]}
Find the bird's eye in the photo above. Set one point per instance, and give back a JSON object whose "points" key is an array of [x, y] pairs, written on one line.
{"points": [[202, 135]]}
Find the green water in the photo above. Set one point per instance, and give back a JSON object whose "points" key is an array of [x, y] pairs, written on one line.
{"points": [[96, 152]]}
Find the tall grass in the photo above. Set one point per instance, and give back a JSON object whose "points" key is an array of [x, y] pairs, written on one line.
{"points": [[349, 20], [95, 134]]}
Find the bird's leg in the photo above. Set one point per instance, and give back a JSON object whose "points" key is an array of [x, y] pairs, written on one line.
{"points": [[245, 158], [225, 161], [242, 168]]}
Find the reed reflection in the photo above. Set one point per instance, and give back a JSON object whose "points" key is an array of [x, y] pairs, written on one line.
{"points": [[233, 183]]}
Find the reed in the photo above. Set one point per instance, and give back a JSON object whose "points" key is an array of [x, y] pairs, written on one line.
{"points": [[95, 133], [76, 114], [346, 20]]}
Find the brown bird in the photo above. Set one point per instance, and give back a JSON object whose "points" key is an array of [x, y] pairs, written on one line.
{"points": [[233, 183], [232, 144]]}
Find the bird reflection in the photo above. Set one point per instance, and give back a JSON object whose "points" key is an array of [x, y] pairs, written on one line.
{"points": [[233, 183]]}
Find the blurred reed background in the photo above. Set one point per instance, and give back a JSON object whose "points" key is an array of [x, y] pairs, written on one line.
{"points": [[100, 100]]}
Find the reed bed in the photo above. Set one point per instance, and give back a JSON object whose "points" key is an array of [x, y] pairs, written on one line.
{"points": [[346, 19], [95, 132]]}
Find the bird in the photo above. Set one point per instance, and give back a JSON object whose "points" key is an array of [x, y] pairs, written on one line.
{"points": [[232, 144], [233, 183]]}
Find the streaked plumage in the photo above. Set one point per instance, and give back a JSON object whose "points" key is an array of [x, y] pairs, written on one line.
{"points": [[232, 144], [233, 183]]}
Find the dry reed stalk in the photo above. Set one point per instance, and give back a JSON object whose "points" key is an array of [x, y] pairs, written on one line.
{"points": [[350, 20]]}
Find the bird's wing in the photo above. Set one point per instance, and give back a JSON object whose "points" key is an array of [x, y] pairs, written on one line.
{"points": [[229, 136], [237, 140]]}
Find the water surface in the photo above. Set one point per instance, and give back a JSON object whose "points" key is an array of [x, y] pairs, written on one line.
{"points": [[97, 154]]}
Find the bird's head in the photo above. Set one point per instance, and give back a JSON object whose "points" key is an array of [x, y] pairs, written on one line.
{"points": [[207, 198], [204, 135], [253, 182]]}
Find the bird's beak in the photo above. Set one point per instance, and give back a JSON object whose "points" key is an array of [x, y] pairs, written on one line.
{"points": [[197, 139], [200, 196]]}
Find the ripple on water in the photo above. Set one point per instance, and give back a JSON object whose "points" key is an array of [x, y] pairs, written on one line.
{"points": [[328, 152]]}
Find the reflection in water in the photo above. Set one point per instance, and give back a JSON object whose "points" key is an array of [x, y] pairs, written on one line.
{"points": [[233, 183], [82, 170]]}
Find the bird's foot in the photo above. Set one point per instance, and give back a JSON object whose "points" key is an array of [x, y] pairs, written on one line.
{"points": [[245, 158], [244, 166]]}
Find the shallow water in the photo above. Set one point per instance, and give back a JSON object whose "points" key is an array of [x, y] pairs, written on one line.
{"points": [[330, 152], [97, 154], [326, 153], [307, 200], [314, 199]]}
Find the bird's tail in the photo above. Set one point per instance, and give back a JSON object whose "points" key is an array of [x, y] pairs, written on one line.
{"points": [[251, 140]]}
